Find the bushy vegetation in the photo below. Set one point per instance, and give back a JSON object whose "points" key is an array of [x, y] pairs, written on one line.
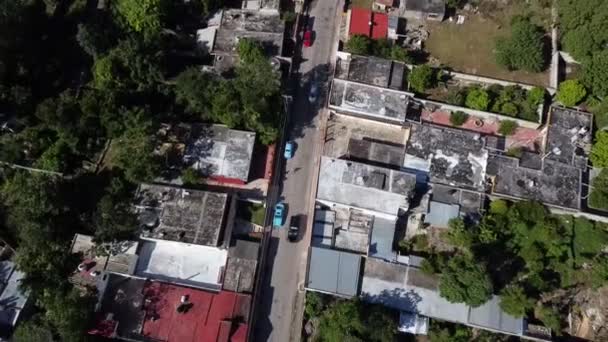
{"points": [[507, 127], [599, 152], [350, 320], [458, 118], [598, 198], [383, 48], [422, 78], [510, 100], [524, 49], [571, 93], [525, 252]]}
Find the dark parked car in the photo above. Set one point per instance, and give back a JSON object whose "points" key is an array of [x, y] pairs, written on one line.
{"points": [[294, 228]]}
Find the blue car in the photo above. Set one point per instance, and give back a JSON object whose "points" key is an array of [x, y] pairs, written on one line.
{"points": [[279, 212], [289, 149]]}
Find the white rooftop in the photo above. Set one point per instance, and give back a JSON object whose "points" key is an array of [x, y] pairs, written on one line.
{"points": [[182, 263], [366, 187]]}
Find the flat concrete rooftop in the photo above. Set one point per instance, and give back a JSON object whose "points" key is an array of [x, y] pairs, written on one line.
{"points": [[555, 184], [190, 216], [569, 136], [354, 138], [363, 186], [449, 156], [216, 151], [180, 263], [266, 27], [369, 101]]}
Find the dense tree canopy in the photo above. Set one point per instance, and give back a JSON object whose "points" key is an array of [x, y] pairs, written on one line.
{"points": [[422, 78], [599, 152], [144, 16], [465, 281], [524, 49]]}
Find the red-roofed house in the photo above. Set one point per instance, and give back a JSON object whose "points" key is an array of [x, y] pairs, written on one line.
{"points": [[368, 23], [206, 317], [139, 309]]}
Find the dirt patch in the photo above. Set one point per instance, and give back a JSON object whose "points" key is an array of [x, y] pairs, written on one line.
{"points": [[589, 309], [469, 47]]}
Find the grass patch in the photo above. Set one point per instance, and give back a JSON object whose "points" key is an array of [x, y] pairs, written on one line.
{"points": [[469, 47], [251, 212]]}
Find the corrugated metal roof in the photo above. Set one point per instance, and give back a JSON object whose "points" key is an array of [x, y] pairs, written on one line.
{"points": [[383, 235], [489, 315], [333, 271], [440, 214]]}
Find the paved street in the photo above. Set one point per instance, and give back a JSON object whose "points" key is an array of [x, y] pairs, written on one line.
{"points": [[281, 307]]}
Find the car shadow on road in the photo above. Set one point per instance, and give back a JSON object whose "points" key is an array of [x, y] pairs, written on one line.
{"points": [[263, 326]]}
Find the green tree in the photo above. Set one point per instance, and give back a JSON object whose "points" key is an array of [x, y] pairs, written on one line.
{"points": [[509, 108], [514, 301], [401, 54], [465, 281], [447, 332], [105, 70], [458, 234], [536, 96], [550, 318], [477, 98], [134, 150], [191, 176], [599, 191], [523, 50], [599, 151], [579, 42], [69, 313], [358, 45], [499, 207], [114, 219], [458, 118], [595, 73], [32, 330], [571, 93], [340, 321], [144, 16], [422, 78], [195, 90], [507, 127], [584, 25]]}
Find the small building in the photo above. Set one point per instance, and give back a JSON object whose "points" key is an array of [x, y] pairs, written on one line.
{"points": [[13, 301], [440, 214], [369, 102], [216, 152], [424, 9], [241, 266], [368, 23], [118, 257], [374, 190], [142, 310], [183, 215], [182, 263], [333, 272]]}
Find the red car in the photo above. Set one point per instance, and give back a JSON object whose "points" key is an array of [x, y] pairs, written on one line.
{"points": [[308, 38]]}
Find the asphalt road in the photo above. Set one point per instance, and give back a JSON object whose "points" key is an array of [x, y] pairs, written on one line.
{"points": [[280, 312]]}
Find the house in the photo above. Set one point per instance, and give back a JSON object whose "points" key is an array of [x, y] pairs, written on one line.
{"points": [[137, 309], [215, 152], [184, 215], [368, 23], [13, 301], [423, 9]]}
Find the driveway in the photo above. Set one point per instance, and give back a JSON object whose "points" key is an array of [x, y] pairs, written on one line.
{"points": [[280, 313]]}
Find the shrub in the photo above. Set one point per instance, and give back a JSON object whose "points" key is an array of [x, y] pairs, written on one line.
{"points": [[499, 207], [509, 108], [191, 176], [571, 93], [358, 45], [598, 198], [599, 152], [536, 96], [507, 127], [477, 98], [455, 96], [422, 78], [514, 301], [458, 118], [524, 49]]}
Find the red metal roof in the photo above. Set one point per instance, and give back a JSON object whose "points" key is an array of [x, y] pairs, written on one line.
{"points": [[360, 19], [210, 317]]}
